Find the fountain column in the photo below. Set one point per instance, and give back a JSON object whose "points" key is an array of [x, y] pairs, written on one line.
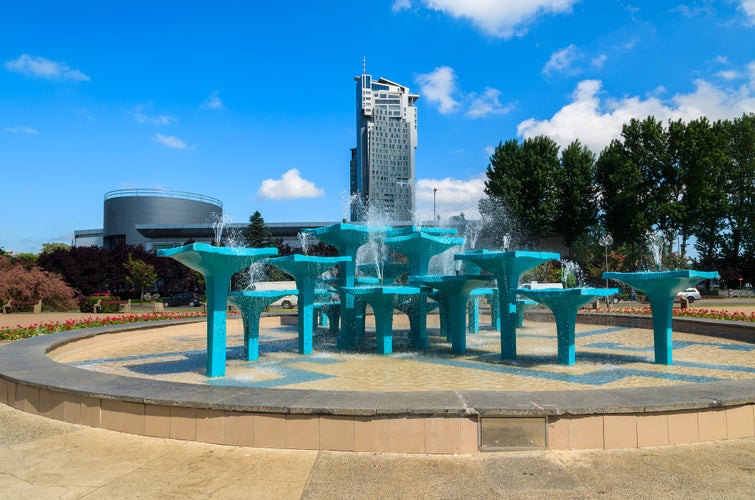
{"points": [[217, 265], [346, 238], [507, 267], [661, 287], [306, 269]]}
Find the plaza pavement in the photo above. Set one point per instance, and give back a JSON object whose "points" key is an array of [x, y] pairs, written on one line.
{"points": [[43, 458]]}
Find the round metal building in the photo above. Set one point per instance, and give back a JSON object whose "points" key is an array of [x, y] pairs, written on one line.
{"points": [[129, 213]]}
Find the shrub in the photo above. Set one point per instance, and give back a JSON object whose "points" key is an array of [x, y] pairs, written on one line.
{"points": [[30, 283]]}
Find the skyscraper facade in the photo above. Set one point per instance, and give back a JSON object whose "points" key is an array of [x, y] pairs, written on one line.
{"points": [[382, 164]]}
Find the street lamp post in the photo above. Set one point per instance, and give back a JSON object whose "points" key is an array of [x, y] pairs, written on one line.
{"points": [[605, 241], [435, 190]]}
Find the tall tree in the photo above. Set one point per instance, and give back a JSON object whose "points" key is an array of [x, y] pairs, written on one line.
{"points": [[577, 207], [258, 235], [741, 186], [622, 200], [522, 179]]}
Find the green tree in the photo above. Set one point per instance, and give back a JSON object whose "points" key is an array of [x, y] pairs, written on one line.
{"points": [[577, 207], [139, 274], [623, 212], [522, 182], [258, 235], [741, 187]]}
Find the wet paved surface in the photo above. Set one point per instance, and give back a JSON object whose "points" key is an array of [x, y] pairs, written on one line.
{"points": [[607, 358]]}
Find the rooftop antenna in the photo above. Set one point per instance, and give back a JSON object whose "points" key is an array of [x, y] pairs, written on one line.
{"points": [[364, 65]]}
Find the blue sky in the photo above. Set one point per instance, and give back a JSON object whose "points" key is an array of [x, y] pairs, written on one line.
{"points": [[253, 103]]}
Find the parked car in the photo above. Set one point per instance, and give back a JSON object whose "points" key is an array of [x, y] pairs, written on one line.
{"points": [[183, 299], [691, 294]]}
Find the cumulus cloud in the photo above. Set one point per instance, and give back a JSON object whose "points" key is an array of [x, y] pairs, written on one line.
{"points": [[453, 196], [399, 5], [170, 141], [595, 120], [503, 19], [21, 129], [563, 61], [440, 89], [39, 67], [748, 7], [438, 86], [142, 117], [289, 186], [488, 103], [213, 102]]}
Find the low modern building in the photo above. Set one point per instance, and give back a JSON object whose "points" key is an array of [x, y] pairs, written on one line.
{"points": [[161, 219]]}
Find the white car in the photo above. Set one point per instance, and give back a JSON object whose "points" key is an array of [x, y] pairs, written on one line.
{"points": [[691, 294]]}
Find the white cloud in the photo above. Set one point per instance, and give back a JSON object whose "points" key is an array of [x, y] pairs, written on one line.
{"points": [[562, 61], [289, 186], [399, 5], [599, 61], [453, 196], [21, 129], [213, 102], [728, 74], [152, 120], [487, 104], [595, 121], [170, 141], [748, 7], [438, 86], [40, 67], [499, 18]]}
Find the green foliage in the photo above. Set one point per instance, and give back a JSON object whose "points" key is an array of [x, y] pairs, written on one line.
{"points": [[522, 181], [140, 274], [577, 207], [257, 234]]}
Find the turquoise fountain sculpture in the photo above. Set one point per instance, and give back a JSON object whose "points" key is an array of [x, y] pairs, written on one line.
{"points": [[217, 265], [382, 298], [347, 238], [565, 303], [454, 294], [507, 267], [419, 245], [661, 287], [252, 303], [306, 269]]}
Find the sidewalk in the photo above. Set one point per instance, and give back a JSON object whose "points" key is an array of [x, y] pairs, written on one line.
{"points": [[43, 458]]}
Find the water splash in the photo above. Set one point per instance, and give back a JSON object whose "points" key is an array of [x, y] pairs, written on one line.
{"points": [[572, 275], [656, 243], [224, 234], [305, 240], [472, 233]]}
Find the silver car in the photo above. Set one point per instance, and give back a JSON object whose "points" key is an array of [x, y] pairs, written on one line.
{"points": [[691, 294]]}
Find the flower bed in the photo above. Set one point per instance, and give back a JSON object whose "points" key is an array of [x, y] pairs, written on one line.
{"points": [[21, 332], [685, 313]]}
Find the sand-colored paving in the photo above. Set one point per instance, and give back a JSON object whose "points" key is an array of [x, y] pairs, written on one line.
{"points": [[607, 358]]}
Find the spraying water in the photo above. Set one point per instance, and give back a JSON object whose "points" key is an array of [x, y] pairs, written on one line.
{"points": [[305, 240]]}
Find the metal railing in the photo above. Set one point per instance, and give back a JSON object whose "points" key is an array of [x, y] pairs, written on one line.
{"points": [[123, 193]]}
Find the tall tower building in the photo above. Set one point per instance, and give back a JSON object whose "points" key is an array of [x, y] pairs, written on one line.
{"points": [[382, 164]]}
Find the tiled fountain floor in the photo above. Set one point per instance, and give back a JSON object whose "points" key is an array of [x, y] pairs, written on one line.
{"points": [[607, 358]]}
